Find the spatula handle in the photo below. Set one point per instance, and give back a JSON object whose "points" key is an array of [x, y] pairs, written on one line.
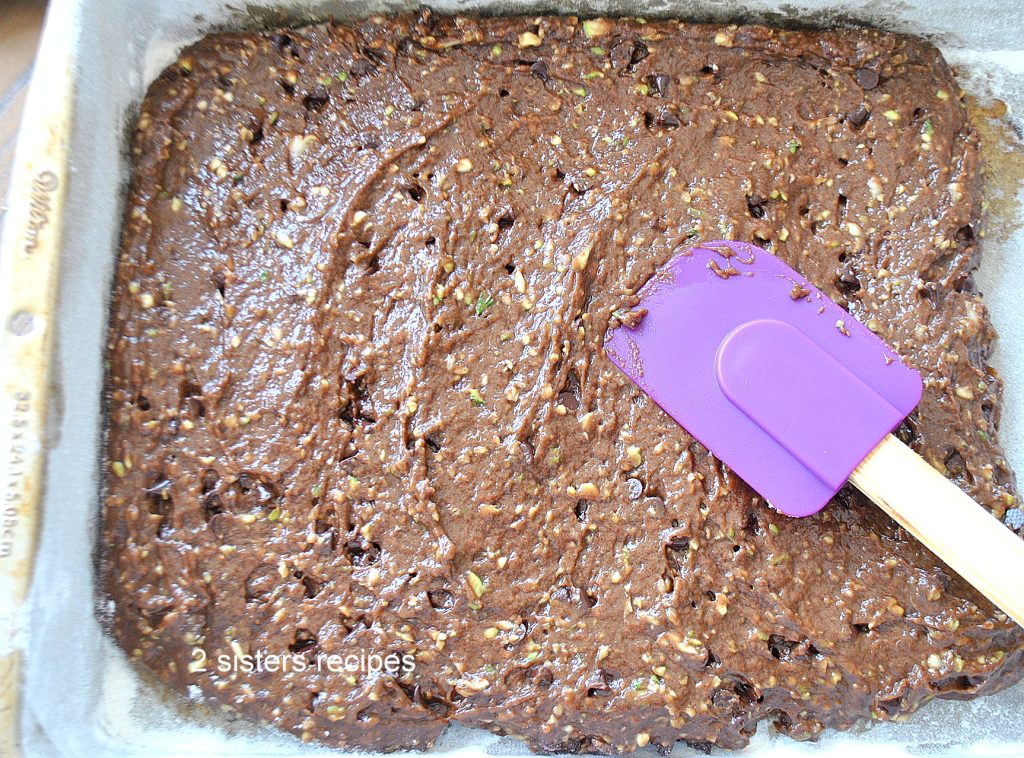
{"points": [[969, 539]]}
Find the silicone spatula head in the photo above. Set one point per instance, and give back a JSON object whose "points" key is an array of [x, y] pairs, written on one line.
{"points": [[779, 382]]}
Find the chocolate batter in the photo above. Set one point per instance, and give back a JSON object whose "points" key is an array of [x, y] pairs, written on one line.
{"points": [[359, 404]]}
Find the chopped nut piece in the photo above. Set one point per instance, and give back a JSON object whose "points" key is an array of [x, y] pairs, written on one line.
{"points": [[634, 457], [723, 39], [529, 39], [579, 262], [476, 583], [299, 144]]}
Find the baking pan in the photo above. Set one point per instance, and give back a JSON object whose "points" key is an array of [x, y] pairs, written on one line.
{"points": [[65, 690]]}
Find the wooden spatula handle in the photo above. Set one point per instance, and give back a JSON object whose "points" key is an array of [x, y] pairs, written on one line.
{"points": [[969, 539]]}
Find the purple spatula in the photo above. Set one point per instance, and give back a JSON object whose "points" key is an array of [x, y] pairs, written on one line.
{"points": [[798, 397]]}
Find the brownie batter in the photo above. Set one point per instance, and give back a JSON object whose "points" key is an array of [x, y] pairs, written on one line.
{"points": [[359, 403]]}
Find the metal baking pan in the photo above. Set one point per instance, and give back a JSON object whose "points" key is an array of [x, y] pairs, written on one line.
{"points": [[65, 690]]}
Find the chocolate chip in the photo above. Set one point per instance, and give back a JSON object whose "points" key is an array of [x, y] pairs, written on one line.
{"points": [[669, 121], [847, 282], [658, 83], [638, 53], [212, 505], [305, 641], [664, 119], [540, 70], [570, 394], [745, 690], [261, 582], [440, 600], [678, 543], [375, 54], [362, 552], [565, 594], [956, 466], [780, 647], [677, 551], [569, 400], [312, 586], [363, 67], [597, 684], [316, 100], [867, 78], [859, 117], [284, 44]]}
